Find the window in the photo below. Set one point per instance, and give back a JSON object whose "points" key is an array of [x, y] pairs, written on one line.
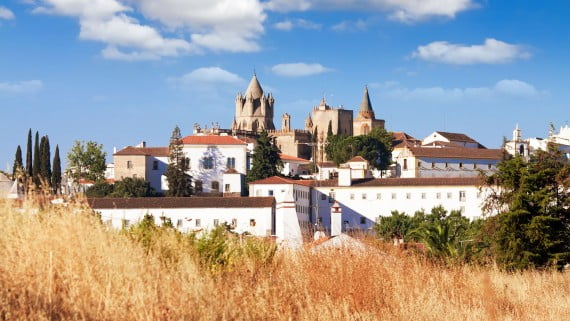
{"points": [[448, 195], [438, 195], [419, 164], [408, 195], [208, 163], [234, 222], [462, 209], [393, 196], [351, 196], [405, 164], [215, 186], [489, 166], [378, 196], [231, 162], [198, 186], [362, 220], [198, 222], [462, 196], [187, 160], [331, 196], [474, 165], [270, 192], [460, 165], [423, 196], [363, 196], [125, 223], [178, 223], [446, 164], [129, 164], [323, 197], [227, 188], [216, 222], [155, 165], [252, 222], [432, 164]]}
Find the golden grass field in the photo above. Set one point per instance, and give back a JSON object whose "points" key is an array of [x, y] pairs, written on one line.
{"points": [[62, 264]]}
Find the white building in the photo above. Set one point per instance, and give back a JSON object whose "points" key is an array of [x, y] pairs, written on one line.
{"points": [[148, 163], [526, 147], [210, 156], [294, 165], [439, 138]]}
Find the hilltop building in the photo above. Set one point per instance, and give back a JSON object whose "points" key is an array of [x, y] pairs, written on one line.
{"points": [[526, 147], [365, 120], [148, 163], [254, 109]]}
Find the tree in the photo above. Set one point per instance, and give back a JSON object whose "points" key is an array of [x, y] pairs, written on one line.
{"points": [[18, 168], [37, 160], [133, 187], [329, 129], [179, 182], [86, 161], [29, 172], [397, 225], [56, 172], [99, 189], [45, 162], [532, 199], [375, 147], [266, 161]]}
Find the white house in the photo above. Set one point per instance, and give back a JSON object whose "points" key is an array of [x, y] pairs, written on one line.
{"points": [[210, 156], [148, 163], [526, 147], [294, 165], [439, 138]]}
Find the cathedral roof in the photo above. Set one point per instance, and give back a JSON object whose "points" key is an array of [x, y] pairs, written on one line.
{"points": [[366, 110], [254, 88]]}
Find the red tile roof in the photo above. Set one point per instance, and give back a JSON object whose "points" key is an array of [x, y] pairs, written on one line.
{"points": [[144, 151], [420, 181], [276, 180], [212, 140], [457, 152], [356, 159], [181, 202], [458, 137], [293, 158]]}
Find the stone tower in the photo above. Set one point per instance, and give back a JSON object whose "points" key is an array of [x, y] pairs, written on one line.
{"points": [[254, 110], [365, 121], [286, 122]]}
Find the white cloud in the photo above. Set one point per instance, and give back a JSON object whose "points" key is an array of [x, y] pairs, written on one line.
{"points": [[502, 89], [347, 25], [284, 25], [21, 87], [212, 75], [402, 10], [6, 13], [299, 69], [491, 52], [288, 25], [218, 25]]}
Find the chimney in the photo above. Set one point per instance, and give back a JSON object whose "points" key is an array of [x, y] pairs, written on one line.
{"points": [[336, 219]]}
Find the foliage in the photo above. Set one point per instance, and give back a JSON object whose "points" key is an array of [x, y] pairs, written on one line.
{"points": [[375, 147], [266, 161], [37, 162], [56, 172], [29, 172], [18, 168], [45, 162], [99, 189], [179, 181], [133, 187], [398, 226], [532, 200], [86, 161]]}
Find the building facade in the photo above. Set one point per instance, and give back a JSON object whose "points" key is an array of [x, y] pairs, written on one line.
{"points": [[254, 109], [366, 120], [148, 163]]}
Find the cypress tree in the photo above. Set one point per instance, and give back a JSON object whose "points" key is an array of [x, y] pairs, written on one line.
{"points": [[37, 160], [266, 161], [45, 163], [29, 155], [179, 182], [56, 173], [329, 129], [17, 170]]}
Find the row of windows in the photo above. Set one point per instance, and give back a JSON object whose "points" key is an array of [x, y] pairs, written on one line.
{"points": [[438, 195], [214, 186], [302, 209], [446, 165], [301, 194]]}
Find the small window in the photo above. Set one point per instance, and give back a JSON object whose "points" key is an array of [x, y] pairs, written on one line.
{"points": [[405, 164], [155, 165], [231, 163], [448, 195], [125, 223], [179, 223], [331, 197], [215, 186], [351, 196], [474, 165], [408, 195], [363, 196], [270, 192], [187, 160], [462, 196], [198, 222], [216, 222], [227, 188], [323, 197], [489, 166], [419, 164], [446, 164], [460, 165], [362, 220], [423, 196], [393, 196], [438, 195], [129, 164], [252, 222], [432, 164], [198, 186], [208, 163], [378, 196]]}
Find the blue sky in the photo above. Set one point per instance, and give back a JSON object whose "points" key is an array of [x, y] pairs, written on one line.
{"points": [[122, 71]]}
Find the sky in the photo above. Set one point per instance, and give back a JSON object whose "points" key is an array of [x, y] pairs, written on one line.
{"points": [[123, 71]]}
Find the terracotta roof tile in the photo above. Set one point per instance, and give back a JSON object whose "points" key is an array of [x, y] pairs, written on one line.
{"points": [[356, 159], [181, 202], [212, 140], [457, 137], [420, 181], [144, 151], [457, 152], [293, 158], [276, 180]]}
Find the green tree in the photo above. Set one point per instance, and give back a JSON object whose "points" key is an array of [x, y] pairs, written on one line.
{"points": [[397, 225], [179, 181], [99, 189], [532, 199], [375, 147], [266, 161], [18, 168], [37, 161], [329, 129], [133, 187], [29, 172], [56, 172], [45, 162], [86, 161]]}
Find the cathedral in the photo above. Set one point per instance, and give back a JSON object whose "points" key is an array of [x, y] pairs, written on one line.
{"points": [[255, 110]]}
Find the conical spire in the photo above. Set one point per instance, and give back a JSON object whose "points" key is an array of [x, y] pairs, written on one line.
{"points": [[254, 89], [366, 110]]}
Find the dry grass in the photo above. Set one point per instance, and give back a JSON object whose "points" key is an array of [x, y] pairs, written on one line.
{"points": [[63, 264]]}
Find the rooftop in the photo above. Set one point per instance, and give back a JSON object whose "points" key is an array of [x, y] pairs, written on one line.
{"points": [[373, 182], [144, 151], [293, 158], [457, 152], [458, 137], [212, 140], [181, 202]]}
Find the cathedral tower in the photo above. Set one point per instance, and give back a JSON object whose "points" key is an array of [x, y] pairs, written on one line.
{"points": [[365, 121], [254, 110]]}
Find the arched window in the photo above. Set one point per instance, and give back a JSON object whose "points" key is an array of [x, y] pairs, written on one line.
{"points": [[215, 186]]}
